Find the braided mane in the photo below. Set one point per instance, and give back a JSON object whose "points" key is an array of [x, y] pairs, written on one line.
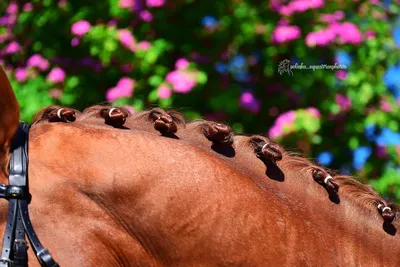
{"points": [[219, 138], [362, 195]]}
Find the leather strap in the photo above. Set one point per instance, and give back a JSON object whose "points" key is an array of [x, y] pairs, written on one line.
{"points": [[9, 234], [42, 254], [20, 246], [18, 222]]}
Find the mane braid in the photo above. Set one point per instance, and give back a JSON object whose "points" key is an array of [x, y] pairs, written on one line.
{"points": [[217, 133], [166, 123], [360, 194], [55, 113]]}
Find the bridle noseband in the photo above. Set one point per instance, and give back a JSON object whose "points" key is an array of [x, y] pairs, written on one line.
{"points": [[14, 251]]}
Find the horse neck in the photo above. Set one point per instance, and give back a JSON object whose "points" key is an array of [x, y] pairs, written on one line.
{"points": [[354, 211], [181, 203]]}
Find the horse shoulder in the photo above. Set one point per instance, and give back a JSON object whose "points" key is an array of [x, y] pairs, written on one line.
{"points": [[193, 205]]}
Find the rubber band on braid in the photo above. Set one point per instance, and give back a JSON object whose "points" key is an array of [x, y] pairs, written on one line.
{"points": [[163, 122], [55, 114], [386, 212], [218, 133], [323, 178], [115, 117], [266, 149]]}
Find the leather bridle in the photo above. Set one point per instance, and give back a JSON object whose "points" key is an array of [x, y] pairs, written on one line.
{"points": [[14, 251]]}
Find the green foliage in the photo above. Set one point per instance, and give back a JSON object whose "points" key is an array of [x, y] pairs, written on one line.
{"points": [[229, 54]]}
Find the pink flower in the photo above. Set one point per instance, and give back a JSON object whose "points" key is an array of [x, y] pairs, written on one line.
{"points": [[284, 33], [143, 45], [44, 65], [146, 16], [38, 61], [34, 60], [75, 41], [341, 74], [343, 101], [8, 20], [124, 88], [27, 7], [182, 63], [164, 92], [299, 6], [349, 33], [80, 28], [56, 75], [286, 118], [12, 8], [126, 3], [316, 3], [56, 93], [116, 93], [62, 3], [283, 22], [320, 38], [250, 102], [314, 112], [181, 82], [21, 74], [275, 4], [275, 131], [126, 82], [333, 17], [12, 48], [126, 38], [155, 3], [370, 34], [385, 106], [286, 11]]}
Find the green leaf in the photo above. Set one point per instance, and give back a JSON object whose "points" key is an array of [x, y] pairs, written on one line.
{"points": [[201, 77], [353, 143], [165, 103], [68, 99], [153, 96], [72, 82], [155, 80], [110, 45]]}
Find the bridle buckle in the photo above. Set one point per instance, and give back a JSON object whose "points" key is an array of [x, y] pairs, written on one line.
{"points": [[20, 241]]}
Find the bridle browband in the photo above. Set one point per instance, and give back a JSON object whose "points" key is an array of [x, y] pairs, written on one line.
{"points": [[14, 251]]}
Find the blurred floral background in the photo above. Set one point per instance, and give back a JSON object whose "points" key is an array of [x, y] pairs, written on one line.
{"points": [[219, 60]]}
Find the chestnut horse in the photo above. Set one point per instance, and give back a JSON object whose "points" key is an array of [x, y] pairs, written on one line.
{"points": [[121, 196]]}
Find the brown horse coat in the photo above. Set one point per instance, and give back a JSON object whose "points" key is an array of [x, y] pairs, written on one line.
{"points": [[109, 197]]}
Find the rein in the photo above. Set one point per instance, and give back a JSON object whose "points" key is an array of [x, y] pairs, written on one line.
{"points": [[14, 249]]}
